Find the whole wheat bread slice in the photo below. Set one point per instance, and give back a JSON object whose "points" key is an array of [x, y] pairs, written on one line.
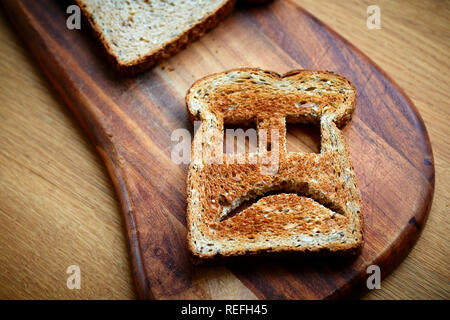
{"points": [[137, 34], [310, 202]]}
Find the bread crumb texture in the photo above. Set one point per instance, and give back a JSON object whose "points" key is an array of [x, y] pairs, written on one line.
{"points": [[309, 203], [134, 30]]}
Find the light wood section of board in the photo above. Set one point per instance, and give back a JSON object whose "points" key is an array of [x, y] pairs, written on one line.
{"points": [[58, 207]]}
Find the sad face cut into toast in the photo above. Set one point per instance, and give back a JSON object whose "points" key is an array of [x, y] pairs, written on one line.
{"points": [[295, 202]]}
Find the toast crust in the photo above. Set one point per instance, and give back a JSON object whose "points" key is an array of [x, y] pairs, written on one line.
{"points": [[158, 54], [317, 205]]}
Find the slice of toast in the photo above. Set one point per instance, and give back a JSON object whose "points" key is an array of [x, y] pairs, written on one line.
{"points": [[139, 33], [299, 202]]}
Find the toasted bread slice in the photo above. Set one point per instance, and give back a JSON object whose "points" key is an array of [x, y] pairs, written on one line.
{"points": [[302, 202], [137, 34]]}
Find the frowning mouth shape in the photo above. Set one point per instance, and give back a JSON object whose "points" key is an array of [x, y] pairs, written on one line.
{"points": [[230, 210]]}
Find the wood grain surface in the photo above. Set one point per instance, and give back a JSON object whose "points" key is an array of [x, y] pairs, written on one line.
{"points": [[25, 251]]}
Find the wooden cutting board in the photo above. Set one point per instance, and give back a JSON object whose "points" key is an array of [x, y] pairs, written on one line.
{"points": [[130, 121]]}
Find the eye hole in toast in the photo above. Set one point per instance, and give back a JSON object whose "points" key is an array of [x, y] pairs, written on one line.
{"points": [[240, 138], [302, 137]]}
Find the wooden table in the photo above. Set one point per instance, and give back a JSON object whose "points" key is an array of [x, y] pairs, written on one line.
{"points": [[58, 207]]}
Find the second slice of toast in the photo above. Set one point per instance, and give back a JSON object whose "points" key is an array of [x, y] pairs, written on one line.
{"points": [[137, 34]]}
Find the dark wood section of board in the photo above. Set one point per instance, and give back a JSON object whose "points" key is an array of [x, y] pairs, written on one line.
{"points": [[130, 120]]}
